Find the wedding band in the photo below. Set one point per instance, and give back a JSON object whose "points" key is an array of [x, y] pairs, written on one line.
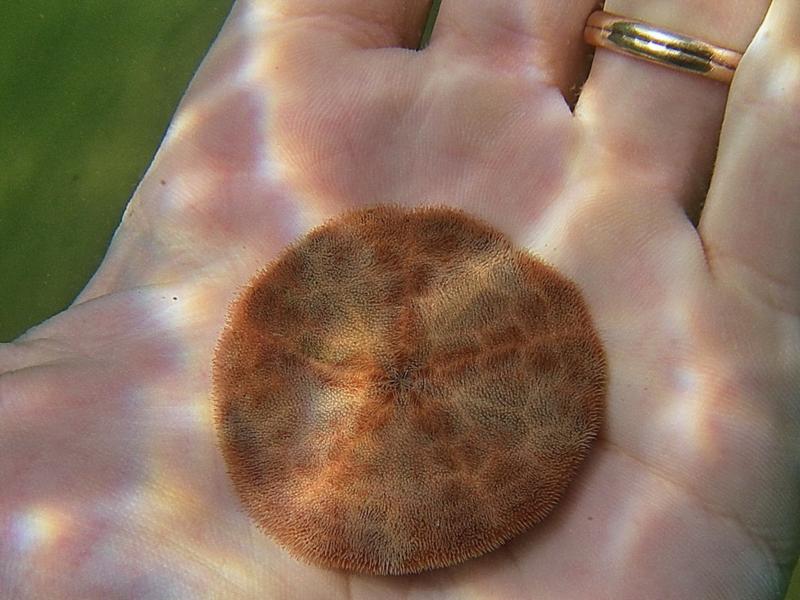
{"points": [[661, 46]]}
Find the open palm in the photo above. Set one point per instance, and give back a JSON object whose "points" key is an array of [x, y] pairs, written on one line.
{"points": [[113, 486]]}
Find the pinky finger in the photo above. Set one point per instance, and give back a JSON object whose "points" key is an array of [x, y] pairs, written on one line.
{"points": [[750, 224]]}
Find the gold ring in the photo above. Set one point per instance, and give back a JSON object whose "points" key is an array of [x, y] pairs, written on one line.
{"points": [[657, 45]]}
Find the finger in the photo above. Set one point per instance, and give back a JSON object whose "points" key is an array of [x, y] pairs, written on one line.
{"points": [[750, 225], [374, 24], [542, 41], [653, 129]]}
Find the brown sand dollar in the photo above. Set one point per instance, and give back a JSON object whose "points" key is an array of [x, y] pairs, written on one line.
{"points": [[404, 389]]}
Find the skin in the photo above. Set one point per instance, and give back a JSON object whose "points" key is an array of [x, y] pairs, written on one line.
{"points": [[305, 109]]}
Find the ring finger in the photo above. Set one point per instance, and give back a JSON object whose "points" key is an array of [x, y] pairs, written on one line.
{"points": [[652, 129]]}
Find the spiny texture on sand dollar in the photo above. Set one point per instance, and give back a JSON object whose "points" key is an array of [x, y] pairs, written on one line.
{"points": [[403, 389]]}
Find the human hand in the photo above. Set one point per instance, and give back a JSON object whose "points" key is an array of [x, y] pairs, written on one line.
{"points": [[118, 488]]}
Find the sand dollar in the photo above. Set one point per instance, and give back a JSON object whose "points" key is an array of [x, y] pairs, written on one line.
{"points": [[404, 389]]}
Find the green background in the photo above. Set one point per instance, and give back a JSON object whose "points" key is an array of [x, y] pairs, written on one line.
{"points": [[87, 90]]}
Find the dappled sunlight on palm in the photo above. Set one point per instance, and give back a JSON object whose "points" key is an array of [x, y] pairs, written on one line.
{"points": [[107, 433]]}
